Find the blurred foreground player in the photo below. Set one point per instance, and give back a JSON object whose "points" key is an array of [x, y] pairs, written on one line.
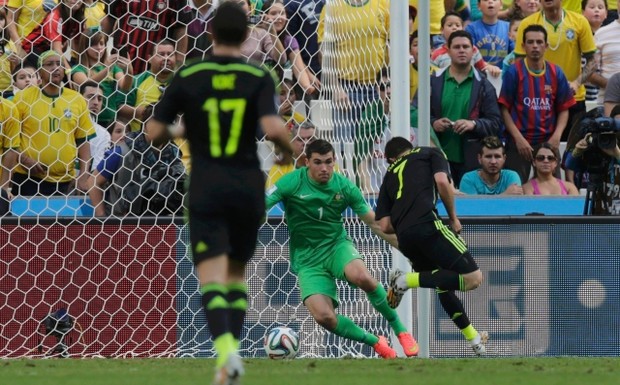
{"points": [[222, 100]]}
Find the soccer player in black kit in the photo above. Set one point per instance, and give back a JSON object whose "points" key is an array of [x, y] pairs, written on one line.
{"points": [[440, 259], [223, 100]]}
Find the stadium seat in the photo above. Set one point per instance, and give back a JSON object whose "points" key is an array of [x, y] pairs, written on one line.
{"points": [[71, 206]]}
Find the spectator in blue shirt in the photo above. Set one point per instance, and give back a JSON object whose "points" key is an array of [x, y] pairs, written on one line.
{"points": [[491, 178]]}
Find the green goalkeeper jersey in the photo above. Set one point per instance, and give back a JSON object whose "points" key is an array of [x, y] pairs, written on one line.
{"points": [[314, 211]]}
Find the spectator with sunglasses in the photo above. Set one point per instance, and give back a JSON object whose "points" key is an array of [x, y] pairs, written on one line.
{"points": [[544, 182]]}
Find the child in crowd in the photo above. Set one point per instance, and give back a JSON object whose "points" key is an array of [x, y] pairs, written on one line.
{"points": [[413, 66], [112, 160], [23, 76], [491, 34], [439, 57], [512, 35], [112, 72], [595, 11]]}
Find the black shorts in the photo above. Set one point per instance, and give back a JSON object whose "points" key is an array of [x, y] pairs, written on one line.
{"points": [[433, 245], [226, 209]]}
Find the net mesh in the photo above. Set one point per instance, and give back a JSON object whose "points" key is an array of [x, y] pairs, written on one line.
{"points": [[131, 291]]}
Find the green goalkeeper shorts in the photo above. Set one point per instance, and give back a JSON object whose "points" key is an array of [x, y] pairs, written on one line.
{"points": [[320, 277]]}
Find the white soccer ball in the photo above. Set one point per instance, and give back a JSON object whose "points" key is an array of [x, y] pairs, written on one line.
{"points": [[281, 343]]}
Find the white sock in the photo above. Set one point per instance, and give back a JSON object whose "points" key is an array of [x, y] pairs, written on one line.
{"points": [[476, 340], [402, 281]]}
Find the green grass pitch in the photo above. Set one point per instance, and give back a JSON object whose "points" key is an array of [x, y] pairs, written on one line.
{"points": [[483, 371]]}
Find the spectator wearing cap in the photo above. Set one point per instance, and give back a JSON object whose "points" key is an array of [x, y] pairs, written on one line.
{"points": [[55, 129], [301, 135]]}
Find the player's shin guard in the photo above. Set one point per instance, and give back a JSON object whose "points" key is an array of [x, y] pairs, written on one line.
{"points": [[454, 307], [378, 300], [442, 279], [217, 313], [238, 304]]}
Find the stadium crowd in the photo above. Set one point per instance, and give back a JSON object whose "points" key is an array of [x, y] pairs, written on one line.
{"points": [[79, 79]]}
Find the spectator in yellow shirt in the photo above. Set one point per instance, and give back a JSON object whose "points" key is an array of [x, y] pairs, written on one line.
{"points": [[55, 129]]}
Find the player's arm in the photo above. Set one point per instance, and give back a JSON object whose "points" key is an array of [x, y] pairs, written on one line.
{"points": [[369, 219], [383, 208], [446, 192], [385, 224], [157, 132]]}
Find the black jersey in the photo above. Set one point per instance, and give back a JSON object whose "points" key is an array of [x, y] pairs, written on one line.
{"points": [[408, 193], [222, 100]]}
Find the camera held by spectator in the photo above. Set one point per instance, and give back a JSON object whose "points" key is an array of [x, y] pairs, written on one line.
{"points": [[600, 136], [603, 132], [598, 154]]}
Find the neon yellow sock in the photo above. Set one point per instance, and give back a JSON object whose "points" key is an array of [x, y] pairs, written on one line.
{"points": [[224, 346], [412, 279], [469, 332]]}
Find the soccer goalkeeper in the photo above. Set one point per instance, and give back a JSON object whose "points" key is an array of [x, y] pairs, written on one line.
{"points": [[314, 198]]}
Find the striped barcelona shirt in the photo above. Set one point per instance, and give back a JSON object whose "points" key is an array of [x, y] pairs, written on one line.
{"points": [[535, 99], [143, 23]]}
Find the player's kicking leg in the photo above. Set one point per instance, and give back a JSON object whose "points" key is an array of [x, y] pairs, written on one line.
{"points": [[400, 282], [445, 249]]}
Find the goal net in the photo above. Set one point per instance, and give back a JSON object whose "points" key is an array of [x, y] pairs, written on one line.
{"points": [[123, 288]]}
